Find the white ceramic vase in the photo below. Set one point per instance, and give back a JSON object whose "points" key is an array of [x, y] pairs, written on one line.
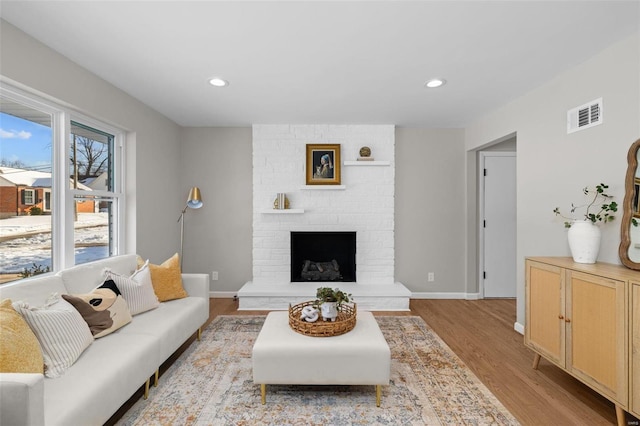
{"points": [[329, 311], [584, 241]]}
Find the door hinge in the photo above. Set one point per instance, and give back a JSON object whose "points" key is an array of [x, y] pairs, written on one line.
{"points": [[485, 172], [484, 275], [484, 223]]}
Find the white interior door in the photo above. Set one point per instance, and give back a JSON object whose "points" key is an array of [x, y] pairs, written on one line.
{"points": [[498, 224]]}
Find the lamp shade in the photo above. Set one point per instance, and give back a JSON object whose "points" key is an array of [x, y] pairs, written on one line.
{"points": [[195, 199]]}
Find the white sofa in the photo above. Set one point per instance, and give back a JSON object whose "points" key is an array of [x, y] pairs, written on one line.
{"points": [[113, 367]]}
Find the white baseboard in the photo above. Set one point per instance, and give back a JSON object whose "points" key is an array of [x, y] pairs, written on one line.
{"points": [[466, 296], [518, 327]]}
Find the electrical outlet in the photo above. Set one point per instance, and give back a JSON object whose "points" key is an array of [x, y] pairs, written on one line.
{"points": [[431, 277], [214, 275]]}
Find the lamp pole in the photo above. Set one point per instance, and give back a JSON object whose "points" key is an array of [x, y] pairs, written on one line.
{"points": [[194, 201]]}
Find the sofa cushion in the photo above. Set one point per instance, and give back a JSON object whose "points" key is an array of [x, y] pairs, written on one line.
{"points": [[103, 379], [86, 277], [137, 289], [167, 280], [104, 309], [35, 290], [61, 331], [19, 348]]}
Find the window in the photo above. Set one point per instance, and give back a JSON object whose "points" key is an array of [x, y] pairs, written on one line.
{"points": [[65, 171], [28, 197]]}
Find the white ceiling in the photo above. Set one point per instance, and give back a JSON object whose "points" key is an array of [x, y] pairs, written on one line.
{"points": [[357, 62]]}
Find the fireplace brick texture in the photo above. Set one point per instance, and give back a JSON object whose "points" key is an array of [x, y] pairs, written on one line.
{"points": [[365, 206]]}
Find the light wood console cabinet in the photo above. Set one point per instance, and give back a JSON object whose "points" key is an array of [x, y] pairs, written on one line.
{"points": [[584, 318]]}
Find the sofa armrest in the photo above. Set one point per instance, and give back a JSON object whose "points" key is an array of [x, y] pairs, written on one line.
{"points": [[196, 285], [21, 399]]}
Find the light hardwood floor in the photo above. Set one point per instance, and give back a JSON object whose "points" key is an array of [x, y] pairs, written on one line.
{"points": [[481, 333]]}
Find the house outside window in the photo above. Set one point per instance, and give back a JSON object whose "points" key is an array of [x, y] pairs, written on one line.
{"points": [[61, 186]]}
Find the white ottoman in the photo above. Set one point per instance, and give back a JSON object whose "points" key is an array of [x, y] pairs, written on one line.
{"points": [[359, 357]]}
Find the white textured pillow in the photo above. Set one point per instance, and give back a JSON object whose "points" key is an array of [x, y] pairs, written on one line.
{"points": [[61, 331], [137, 289]]}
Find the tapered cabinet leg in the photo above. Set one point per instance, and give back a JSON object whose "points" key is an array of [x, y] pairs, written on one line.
{"points": [[620, 416], [536, 361]]}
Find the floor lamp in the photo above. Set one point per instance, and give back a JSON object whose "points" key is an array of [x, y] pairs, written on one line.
{"points": [[193, 202]]}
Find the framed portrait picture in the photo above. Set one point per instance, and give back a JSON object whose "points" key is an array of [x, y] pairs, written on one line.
{"points": [[323, 164]]}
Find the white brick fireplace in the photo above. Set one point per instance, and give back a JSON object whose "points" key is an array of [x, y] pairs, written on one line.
{"points": [[363, 203]]}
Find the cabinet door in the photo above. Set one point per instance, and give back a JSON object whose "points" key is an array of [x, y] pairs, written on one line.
{"points": [[545, 330], [596, 334], [635, 348]]}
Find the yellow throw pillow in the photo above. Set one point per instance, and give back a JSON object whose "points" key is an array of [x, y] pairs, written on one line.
{"points": [[167, 279], [19, 348]]}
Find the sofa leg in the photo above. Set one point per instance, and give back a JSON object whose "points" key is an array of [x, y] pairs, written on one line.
{"points": [[378, 395], [146, 389], [263, 393], [199, 334], [156, 378]]}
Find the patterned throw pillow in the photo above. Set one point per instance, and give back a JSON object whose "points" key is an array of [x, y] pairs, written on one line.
{"points": [[61, 331], [137, 289], [19, 348], [167, 279], [104, 309]]}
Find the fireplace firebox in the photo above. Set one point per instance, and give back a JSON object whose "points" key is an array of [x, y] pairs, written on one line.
{"points": [[323, 256]]}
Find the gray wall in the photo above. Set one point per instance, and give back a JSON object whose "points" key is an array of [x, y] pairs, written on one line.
{"points": [[153, 150], [218, 236], [430, 209], [554, 166]]}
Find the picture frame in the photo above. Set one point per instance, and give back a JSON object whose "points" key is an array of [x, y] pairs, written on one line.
{"points": [[323, 164]]}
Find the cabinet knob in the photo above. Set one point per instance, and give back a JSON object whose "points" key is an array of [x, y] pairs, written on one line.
{"points": [[560, 317], [567, 320]]}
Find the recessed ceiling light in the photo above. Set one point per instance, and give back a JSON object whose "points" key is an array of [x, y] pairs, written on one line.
{"points": [[435, 82], [218, 82]]}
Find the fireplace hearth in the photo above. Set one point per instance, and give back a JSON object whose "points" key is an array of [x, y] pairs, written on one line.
{"points": [[323, 256]]}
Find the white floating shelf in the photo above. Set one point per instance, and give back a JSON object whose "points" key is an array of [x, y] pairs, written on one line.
{"points": [[367, 163], [324, 187], [282, 211]]}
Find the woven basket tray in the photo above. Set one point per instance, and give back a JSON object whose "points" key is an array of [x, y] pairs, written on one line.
{"points": [[344, 323]]}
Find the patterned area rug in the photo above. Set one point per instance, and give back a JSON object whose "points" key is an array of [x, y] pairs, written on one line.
{"points": [[211, 384]]}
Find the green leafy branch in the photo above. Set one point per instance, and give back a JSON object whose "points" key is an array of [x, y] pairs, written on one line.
{"points": [[597, 195]]}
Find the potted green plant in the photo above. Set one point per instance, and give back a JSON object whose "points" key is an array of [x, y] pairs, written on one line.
{"points": [[584, 236], [330, 300]]}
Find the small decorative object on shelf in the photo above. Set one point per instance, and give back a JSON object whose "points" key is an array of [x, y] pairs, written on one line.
{"points": [[365, 154], [278, 204]]}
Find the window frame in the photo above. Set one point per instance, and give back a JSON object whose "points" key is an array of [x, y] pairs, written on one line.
{"points": [[62, 195]]}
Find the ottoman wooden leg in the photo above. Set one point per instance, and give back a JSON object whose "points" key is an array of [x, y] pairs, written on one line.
{"points": [[263, 393], [378, 394]]}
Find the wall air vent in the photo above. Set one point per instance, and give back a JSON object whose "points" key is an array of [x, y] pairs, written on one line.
{"points": [[584, 116]]}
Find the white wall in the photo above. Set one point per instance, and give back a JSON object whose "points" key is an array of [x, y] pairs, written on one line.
{"points": [[554, 166], [430, 211], [153, 150], [218, 235]]}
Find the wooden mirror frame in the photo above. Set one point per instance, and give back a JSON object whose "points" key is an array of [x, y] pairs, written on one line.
{"points": [[628, 208]]}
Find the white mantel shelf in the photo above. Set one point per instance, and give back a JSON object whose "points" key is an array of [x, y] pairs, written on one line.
{"points": [[324, 187], [367, 163], [282, 211]]}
